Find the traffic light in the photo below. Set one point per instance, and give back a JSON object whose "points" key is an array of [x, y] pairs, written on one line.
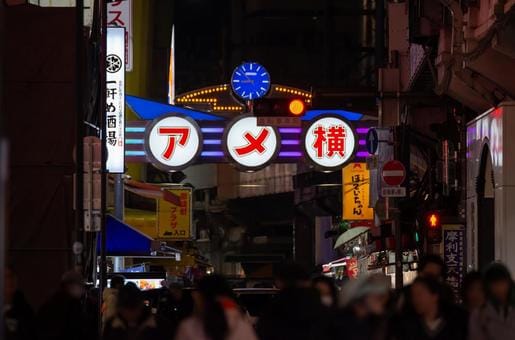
{"points": [[279, 107], [434, 227]]}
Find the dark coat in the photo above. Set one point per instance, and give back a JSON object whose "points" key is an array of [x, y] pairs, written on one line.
{"points": [[296, 314], [411, 327], [19, 319], [62, 318], [149, 328]]}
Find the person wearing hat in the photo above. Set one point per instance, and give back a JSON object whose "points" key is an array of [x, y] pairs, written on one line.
{"points": [[363, 304], [496, 318]]}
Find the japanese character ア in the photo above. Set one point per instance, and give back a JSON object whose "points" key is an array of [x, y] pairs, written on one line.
{"points": [[173, 132]]}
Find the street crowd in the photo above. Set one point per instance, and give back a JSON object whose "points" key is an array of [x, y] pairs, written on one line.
{"points": [[303, 308]]}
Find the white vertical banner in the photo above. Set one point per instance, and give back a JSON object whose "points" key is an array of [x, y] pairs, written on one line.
{"points": [[119, 13], [115, 100]]}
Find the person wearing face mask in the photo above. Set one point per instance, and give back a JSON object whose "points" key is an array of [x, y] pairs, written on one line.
{"points": [[363, 313], [327, 289], [62, 317], [496, 318]]}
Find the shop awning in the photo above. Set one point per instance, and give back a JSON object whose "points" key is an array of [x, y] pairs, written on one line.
{"points": [[123, 240], [350, 235]]}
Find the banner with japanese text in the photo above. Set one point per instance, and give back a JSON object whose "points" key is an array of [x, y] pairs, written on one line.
{"points": [[175, 221], [119, 13], [454, 255], [356, 183]]}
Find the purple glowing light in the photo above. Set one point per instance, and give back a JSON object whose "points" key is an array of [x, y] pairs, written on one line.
{"points": [[212, 130], [212, 154], [212, 142], [362, 131], [362, 142], [290, 142], [290, 130], [290, 154], [362, 154]]}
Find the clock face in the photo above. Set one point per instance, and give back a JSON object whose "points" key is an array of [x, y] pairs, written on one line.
{"points": [[250, 81]]}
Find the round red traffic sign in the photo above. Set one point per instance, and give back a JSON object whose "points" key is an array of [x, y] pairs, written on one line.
{"points": [[393, 173]]}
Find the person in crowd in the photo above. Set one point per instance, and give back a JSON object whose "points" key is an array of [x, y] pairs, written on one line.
{"points": [[18, 316], [296, 312], [327, 289], [496, 318], [473, 291], [432, 265], [433, 319], [429, 266], [173, 304], [217, 315], [363, 314], [62, 317], [109, 297], [132, 321]]}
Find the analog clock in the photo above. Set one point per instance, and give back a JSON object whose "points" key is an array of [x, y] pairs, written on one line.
{"points": [[250, 81]]}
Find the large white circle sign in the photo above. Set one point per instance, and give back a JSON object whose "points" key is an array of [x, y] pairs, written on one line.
{"points": [[329, 142], [251, 146], [173, 142]]}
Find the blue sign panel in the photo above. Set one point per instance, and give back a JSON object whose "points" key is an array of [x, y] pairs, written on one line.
{"points": [[372, 141]]}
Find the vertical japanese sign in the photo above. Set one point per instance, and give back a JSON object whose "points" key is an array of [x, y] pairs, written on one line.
{"points": [[175, 221], [356, 185], [454, 253], [115, 100], [119, 13]]}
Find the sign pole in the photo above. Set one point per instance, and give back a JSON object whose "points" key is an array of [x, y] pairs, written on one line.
{"points": [[3, 171], [102, 8]]}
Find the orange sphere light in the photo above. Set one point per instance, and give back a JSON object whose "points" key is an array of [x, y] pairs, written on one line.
{"points": [[296, 107]]}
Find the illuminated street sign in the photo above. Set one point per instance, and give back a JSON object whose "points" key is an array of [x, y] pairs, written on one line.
{"points": [[173, 142], [119, 13], [329, 142], [115, 100], [250, 146]]}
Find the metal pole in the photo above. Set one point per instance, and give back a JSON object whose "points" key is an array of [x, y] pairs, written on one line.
{"points": [[3, 171], [102, 10], [118, 213], [79, 151]]}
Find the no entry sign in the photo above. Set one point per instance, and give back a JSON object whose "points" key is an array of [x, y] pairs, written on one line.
{"points": [[393, 173]]}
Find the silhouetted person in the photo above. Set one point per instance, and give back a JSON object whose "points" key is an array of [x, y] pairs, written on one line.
{"points": [[496, 318], [110, 296], [363, 313], [18, 316], [433, 319], [62, 317], [327, 289], [473, 291], [217, 315], [296, 312], [132, 320]]}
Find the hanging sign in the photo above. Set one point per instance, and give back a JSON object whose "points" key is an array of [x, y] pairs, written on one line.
{"points": [[115, 100], [329, 142], [119, 13], [249, 146], [453, 255], [175, 221], [356, 185], [173, 142]]}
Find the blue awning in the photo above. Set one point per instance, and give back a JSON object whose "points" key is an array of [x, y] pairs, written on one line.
{"points": [[124, 240], [148, 109]]}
